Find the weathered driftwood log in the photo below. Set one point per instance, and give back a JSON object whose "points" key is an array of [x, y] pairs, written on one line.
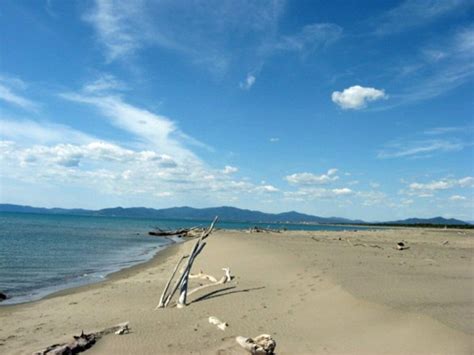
{"points": [[226, 278], [82, 342], [182, 281], [262, 344], [257, 229], [183, 232], [203, 276]]}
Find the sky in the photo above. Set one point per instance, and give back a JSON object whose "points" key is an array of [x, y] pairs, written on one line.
{"points": [[357, 109]]}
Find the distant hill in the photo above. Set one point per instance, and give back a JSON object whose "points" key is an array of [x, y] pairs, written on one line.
{"points": [[434, 220], [225, 213]]}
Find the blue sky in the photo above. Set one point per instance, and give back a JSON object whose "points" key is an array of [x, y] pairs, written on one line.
{"points": [[354, 109]]}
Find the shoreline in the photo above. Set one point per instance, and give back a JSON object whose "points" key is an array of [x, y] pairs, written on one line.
{"points": [[315, 292], [125, 272]]}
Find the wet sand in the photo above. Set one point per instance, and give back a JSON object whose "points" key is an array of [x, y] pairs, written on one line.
{"points": [[314, 292]]}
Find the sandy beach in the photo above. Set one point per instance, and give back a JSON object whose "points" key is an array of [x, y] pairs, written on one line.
{"points": [[314, 292]]}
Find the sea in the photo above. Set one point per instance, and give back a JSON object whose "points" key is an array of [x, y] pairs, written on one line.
{"points": [[42, 253]]}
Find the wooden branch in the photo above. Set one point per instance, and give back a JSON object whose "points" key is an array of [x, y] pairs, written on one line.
{"points": [[226, 278], [183, 281], [203, 276], [82, 342], [261, 344], [161, 304]]}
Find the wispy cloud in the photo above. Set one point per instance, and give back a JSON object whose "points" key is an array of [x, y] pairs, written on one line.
{"points": [[433, 78], [8, 93], [416, 13], [201, 31], [151, 129], [356, 97], [248, 83], [417, 149], [428, 189], [448, 130], [310, 38]]}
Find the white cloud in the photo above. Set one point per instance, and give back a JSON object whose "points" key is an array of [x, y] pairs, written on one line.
{"points": [[248, 83], [274, 140], [152, 129], [468, 181], [312, 193], [428, 189], [356, 97], [432, 186], [457, 198], [311, 179], [267, 188], [230, 169], [342, 191]]}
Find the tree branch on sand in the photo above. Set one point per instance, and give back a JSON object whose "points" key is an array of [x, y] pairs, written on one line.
{"points": [[82, 342], [182, 282]]}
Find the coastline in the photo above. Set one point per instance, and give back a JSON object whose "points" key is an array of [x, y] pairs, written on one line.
{"points": [[301, 287]]}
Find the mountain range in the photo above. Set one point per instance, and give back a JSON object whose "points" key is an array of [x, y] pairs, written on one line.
{"points": [[225, 213]]}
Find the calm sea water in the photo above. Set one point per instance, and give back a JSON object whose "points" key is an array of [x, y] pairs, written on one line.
{"points": [[41, 254]]}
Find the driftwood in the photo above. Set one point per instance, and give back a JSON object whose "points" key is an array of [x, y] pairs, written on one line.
{"points": [[257, 229], [182, 281], [402, 246], [82, 342], [262, 344], [183, 232], [226, 278], [216, 321], [162, 298]]}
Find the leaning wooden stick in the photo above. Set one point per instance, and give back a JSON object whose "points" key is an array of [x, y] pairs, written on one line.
{"points": [[163, 295], [183, 280]]}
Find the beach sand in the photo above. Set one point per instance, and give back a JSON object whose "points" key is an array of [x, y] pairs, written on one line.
{"points": [[314, 292]]}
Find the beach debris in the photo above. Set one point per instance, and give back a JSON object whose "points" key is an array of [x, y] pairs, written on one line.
{"points": [[445, 242], [257, 229], [182, 281], [203, 276], [262, 344], [82, 342], [216, 321], [226, 278], [3, 296], [402, 246], [183, 232], [161, 304], [124, 329]]}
